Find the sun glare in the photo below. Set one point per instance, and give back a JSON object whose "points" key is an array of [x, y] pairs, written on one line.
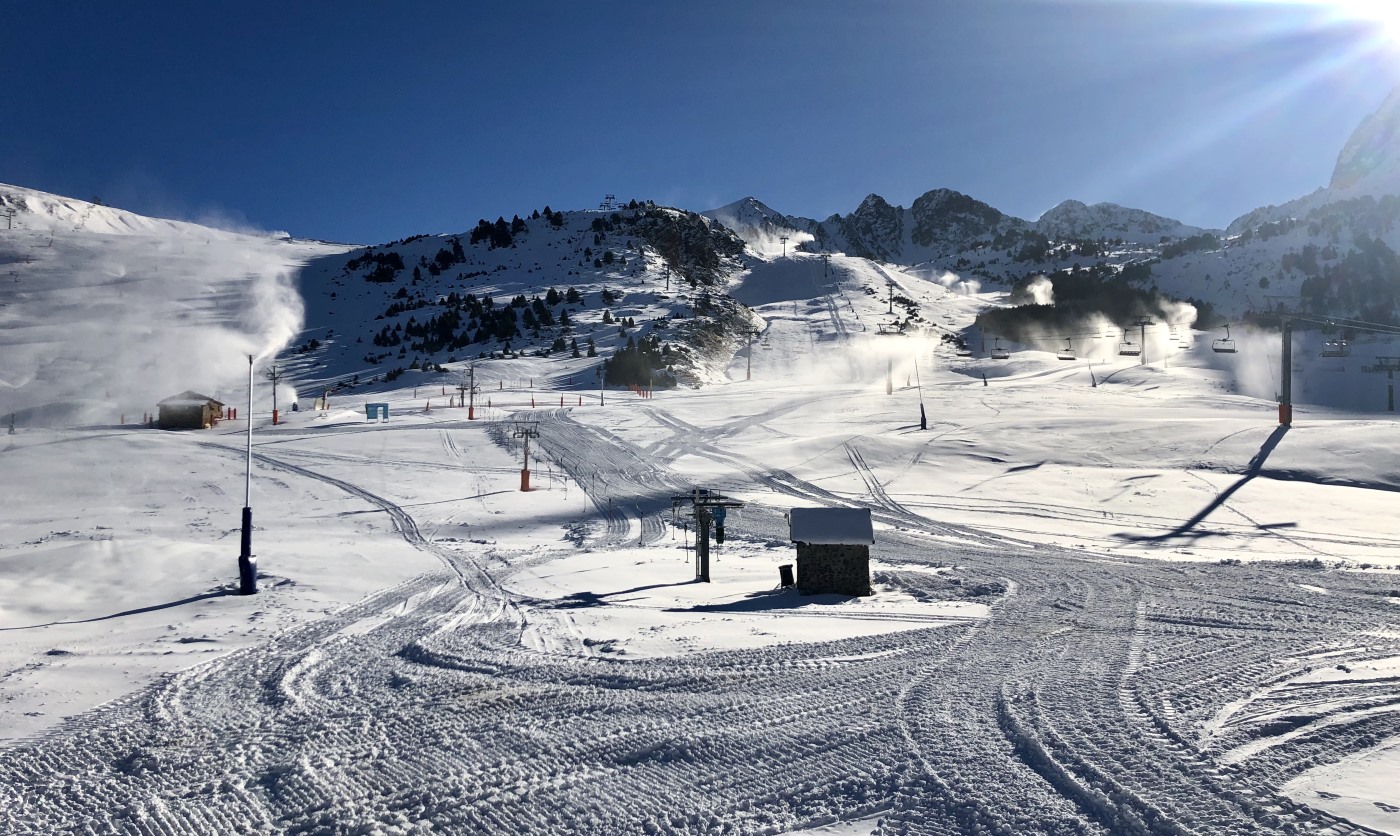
{"points": [[1385, 13]]}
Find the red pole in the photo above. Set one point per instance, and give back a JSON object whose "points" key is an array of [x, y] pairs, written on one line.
{"points": [[274, 417]]}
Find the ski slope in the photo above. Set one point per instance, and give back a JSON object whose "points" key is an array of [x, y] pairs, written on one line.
{"points": [[1110, 598]]}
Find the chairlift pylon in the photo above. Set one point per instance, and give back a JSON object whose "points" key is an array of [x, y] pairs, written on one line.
{"points": [[1224, 345], [1067, 353]]}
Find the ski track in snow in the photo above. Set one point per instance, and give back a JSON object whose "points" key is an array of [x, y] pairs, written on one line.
{"points": [[1074, 708]]}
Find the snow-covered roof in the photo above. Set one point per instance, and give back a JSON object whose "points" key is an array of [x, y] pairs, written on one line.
{"points": [[831, 526], [189, 397]]}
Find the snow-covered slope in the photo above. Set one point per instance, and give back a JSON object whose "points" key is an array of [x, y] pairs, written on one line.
{"points": [[104, 312], [577, 285], [436, 650]]}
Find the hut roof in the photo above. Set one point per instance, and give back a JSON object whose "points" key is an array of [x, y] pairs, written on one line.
{"points": [[189, 397], [831, 526]]}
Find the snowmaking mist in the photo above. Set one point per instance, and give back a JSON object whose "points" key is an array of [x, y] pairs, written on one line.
{"points": [[1096, 321], [98, 325]]}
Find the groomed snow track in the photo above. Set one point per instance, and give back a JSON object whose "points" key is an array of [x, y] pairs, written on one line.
{"points": [[1079, 707]]}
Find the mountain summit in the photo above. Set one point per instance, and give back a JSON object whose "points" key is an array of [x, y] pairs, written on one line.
{"points": [[1370, 161]]}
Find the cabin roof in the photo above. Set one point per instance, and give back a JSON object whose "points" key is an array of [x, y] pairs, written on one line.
{"points": [[189, 397], [831, 526]]}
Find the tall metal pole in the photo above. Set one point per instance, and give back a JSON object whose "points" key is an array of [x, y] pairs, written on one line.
{"points": [[923, 416], [702, 543], [1142, 324], [1285, 399], [748, 366], [471, 392], [600, 386], [247, 563]]}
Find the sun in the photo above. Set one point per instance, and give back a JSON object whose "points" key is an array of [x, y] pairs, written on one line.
{"points": [[1384, 13]]}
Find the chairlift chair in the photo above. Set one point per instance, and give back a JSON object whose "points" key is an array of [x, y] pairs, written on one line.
{"points": [[999, 353], [963, 350], [1067, 353], [1224, 345], [1336, 348], [1127, 347]]}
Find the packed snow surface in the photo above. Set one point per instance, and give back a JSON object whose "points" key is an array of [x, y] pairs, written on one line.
{"points": [[1109, 598]]}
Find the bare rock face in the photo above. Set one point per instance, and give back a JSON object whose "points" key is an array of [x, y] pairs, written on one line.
{"points": [[875, 230], [1370, 161]]}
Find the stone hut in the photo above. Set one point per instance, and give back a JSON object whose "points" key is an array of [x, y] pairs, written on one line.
{"points": [[189, 410], [833, 549]]}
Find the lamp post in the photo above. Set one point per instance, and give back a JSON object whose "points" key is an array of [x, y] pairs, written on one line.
{"points": [[247, 563]]}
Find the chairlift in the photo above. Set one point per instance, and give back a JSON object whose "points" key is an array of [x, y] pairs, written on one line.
{"points": [[963, 350], [1127, 347], [999, 353], [1067, 353], [1225, 345], [1336, 348]]}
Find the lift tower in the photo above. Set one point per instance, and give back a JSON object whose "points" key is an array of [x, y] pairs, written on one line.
{"points": [[708, 507]]}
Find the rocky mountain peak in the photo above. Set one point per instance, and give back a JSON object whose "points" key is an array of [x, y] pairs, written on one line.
{"points": [[1370, 161]]}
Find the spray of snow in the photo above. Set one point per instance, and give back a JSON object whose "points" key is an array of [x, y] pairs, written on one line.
{"points": [[767, 241], [1041, 290], [106, 324], [959, 285]]}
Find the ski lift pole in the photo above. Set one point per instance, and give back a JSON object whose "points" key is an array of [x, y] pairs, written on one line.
{"points": [[1285, 399]]}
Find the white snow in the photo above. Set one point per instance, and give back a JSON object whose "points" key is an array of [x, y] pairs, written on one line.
{"points": [[1068, 559], [832, 526]]}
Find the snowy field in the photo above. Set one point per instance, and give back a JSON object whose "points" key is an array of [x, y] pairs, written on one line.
{"points": [[1125, 604]]}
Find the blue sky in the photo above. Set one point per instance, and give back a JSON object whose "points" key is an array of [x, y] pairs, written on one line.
{"points": [[364, 122]]}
